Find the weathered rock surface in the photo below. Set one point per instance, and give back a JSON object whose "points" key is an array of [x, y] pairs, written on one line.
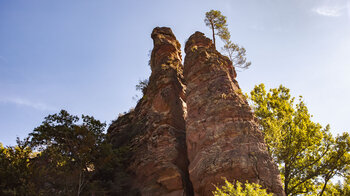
{"points": [[222, 135], [184, 149], [155, 130]]}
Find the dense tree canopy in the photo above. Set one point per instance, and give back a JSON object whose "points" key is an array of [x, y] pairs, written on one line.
{"points": [[67, 147], [340, 188], [15, 176], [305, 151], [63, 156]]}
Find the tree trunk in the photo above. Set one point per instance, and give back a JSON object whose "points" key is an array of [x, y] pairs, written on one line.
{"points": [[324, 186], [286, 183], [80, 182], [212, 28]]}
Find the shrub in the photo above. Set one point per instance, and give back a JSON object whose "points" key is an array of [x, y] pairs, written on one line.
{"points": [[239, 189]]}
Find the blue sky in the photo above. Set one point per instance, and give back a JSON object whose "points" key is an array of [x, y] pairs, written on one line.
{"points": [[86, 56]]}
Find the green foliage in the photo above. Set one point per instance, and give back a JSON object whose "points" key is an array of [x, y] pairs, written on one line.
{"points": [[340, 188], [142, 86], [217, 22], [236, 54], [69, 152], [304, 151], [237, 189], [14, 169], [71, 157], [336, 161]]}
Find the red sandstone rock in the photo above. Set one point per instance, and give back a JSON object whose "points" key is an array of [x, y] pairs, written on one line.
{"points": [[223, 138], [155, 130], [222, 135]]}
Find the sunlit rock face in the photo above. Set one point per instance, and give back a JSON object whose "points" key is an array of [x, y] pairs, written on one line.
{"points": [[155, 130], [191, 128], [223, 139]]}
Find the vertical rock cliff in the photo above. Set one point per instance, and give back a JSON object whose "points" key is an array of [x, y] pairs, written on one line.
{"points": [[155, 130], [183, 139], [222, 135]]}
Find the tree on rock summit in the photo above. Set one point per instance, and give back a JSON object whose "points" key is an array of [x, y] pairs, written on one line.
{"points": [[217, 22]]}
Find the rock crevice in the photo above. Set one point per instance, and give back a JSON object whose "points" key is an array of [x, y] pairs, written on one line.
{"points": [[155, 130], [193, 126], [223, 138]]}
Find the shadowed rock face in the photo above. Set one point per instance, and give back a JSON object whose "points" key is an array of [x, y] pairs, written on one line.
{"points": [[222, 135], [155, 130]]}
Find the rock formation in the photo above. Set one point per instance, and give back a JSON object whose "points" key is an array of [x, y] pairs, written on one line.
{"points": [[223, 139], [155, 130], [177, 149]]}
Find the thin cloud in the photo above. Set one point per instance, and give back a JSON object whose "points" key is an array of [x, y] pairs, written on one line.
{"points": [[330, 11], [27, 103]]}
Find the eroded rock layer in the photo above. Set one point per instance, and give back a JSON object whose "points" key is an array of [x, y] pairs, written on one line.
{"points": [[155, 130], [222, 135]]}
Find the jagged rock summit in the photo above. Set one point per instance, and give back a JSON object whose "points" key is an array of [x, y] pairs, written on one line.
{"points": [[223, 139], [155, 130], [192, 127]]}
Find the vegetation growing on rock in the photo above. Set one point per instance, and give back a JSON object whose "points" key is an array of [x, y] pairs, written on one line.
{"points": [[237, 54]]}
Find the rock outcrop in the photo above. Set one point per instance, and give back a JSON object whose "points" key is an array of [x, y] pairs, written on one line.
{"points": [[223, 138], [192, 126], [155, 130]]}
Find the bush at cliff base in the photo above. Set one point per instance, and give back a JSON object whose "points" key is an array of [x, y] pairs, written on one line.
{"points": [[248, 189]]}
